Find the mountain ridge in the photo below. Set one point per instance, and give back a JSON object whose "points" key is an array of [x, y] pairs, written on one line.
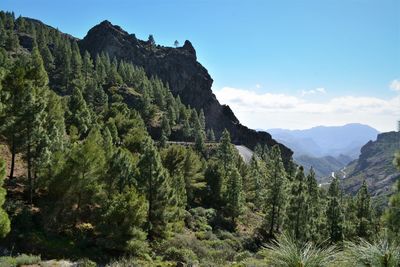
{"points": [[186, 77]]}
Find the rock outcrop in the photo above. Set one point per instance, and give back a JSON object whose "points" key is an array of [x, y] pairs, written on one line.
{"points": [[178, 67], [375, 165]]}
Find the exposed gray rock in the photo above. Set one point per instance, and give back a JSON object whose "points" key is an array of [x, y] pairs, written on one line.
{"points": [[178, 67]]}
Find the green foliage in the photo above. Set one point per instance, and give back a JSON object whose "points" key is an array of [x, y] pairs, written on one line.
{"points": [[4, 220], [155, 183], [334, 213], [276, 194], [381, 253], [286, 253], [296, 211], [364, 213], [20, 260]]}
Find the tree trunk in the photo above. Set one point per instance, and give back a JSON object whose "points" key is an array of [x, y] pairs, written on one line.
{"points": [[13, 152]]}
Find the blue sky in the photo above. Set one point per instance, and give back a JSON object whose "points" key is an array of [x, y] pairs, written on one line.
{"points": [[310, 54]]}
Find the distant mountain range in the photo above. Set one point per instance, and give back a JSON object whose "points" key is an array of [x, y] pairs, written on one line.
{"points": [[326, 148]]}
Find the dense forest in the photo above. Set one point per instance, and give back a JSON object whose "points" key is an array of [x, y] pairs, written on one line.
{"points": [[89, 174]]}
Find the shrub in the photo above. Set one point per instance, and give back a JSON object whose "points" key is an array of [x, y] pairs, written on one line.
{"points": [[285, 252], [242, 256], [22, 259], [180, 255], [380, 253], [86, 263]]}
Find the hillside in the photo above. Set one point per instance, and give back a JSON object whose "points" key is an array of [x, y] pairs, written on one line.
{"points": [[179, 68], [375, 165]]}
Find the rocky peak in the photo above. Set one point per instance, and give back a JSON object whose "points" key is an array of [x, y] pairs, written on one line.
{"points": [[187, 46], [186, 77]]}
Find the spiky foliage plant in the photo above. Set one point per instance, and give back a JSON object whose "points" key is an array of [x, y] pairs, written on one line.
{"points": [[380, 253], [286, 252]]}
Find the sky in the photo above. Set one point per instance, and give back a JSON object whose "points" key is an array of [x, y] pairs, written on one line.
{"points": [[278, 64]]}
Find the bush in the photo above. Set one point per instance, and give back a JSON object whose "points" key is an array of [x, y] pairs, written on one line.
{"points": [[180, 255], [86, 263], [22, 259], [242, 256]]}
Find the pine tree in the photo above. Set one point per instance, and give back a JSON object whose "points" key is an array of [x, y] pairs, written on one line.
{"points": [[12, 41], [122, 222], [276, 196], [276, 183], [122, 171], [173, 159], [256, 182], [211, 135], [313, 209], [296, 222], [4, 220], [165, 126], [151, 40], [225, 152], [78, 113], [14, 95], [193, 176], [154, 182], [202, 120], [364, 213], [334, 213], [76, 190], [234, 195]]}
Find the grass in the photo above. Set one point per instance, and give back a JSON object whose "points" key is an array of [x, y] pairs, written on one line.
{"points": [[20, 260]]}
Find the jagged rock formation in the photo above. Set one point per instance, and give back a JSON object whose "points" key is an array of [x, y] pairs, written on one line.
{"points": [[375, 164], [185, 76]]}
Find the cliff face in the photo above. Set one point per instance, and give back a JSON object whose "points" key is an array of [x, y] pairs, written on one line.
{"points": [[185, 76], [375, 164]]}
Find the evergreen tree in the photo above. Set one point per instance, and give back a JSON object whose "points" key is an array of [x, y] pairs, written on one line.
{"points": [[122, 222], [122, 171], [211, 135], [234, 195], [154, 182], [202, 120], [12, 41], [78, 113], [14, 95], [334, 213], [165, 127], [296, 223], [151, 40], [193, 176], [173, 159], [364, 213], [276, 195], [313, 209], [256, 182], [77, 189]]}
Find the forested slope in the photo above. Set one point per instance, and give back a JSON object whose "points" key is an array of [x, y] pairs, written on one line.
{"points": [[98, 179]]}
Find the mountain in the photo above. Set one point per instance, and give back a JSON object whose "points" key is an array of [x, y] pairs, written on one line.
{"points": [[323, 166], [375, 165], [327, 140], [177, 67]]}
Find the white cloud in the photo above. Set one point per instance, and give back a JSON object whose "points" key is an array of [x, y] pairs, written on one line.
{"points": [[258, 86], [270, 110], [319, 90], [395, 85]]}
